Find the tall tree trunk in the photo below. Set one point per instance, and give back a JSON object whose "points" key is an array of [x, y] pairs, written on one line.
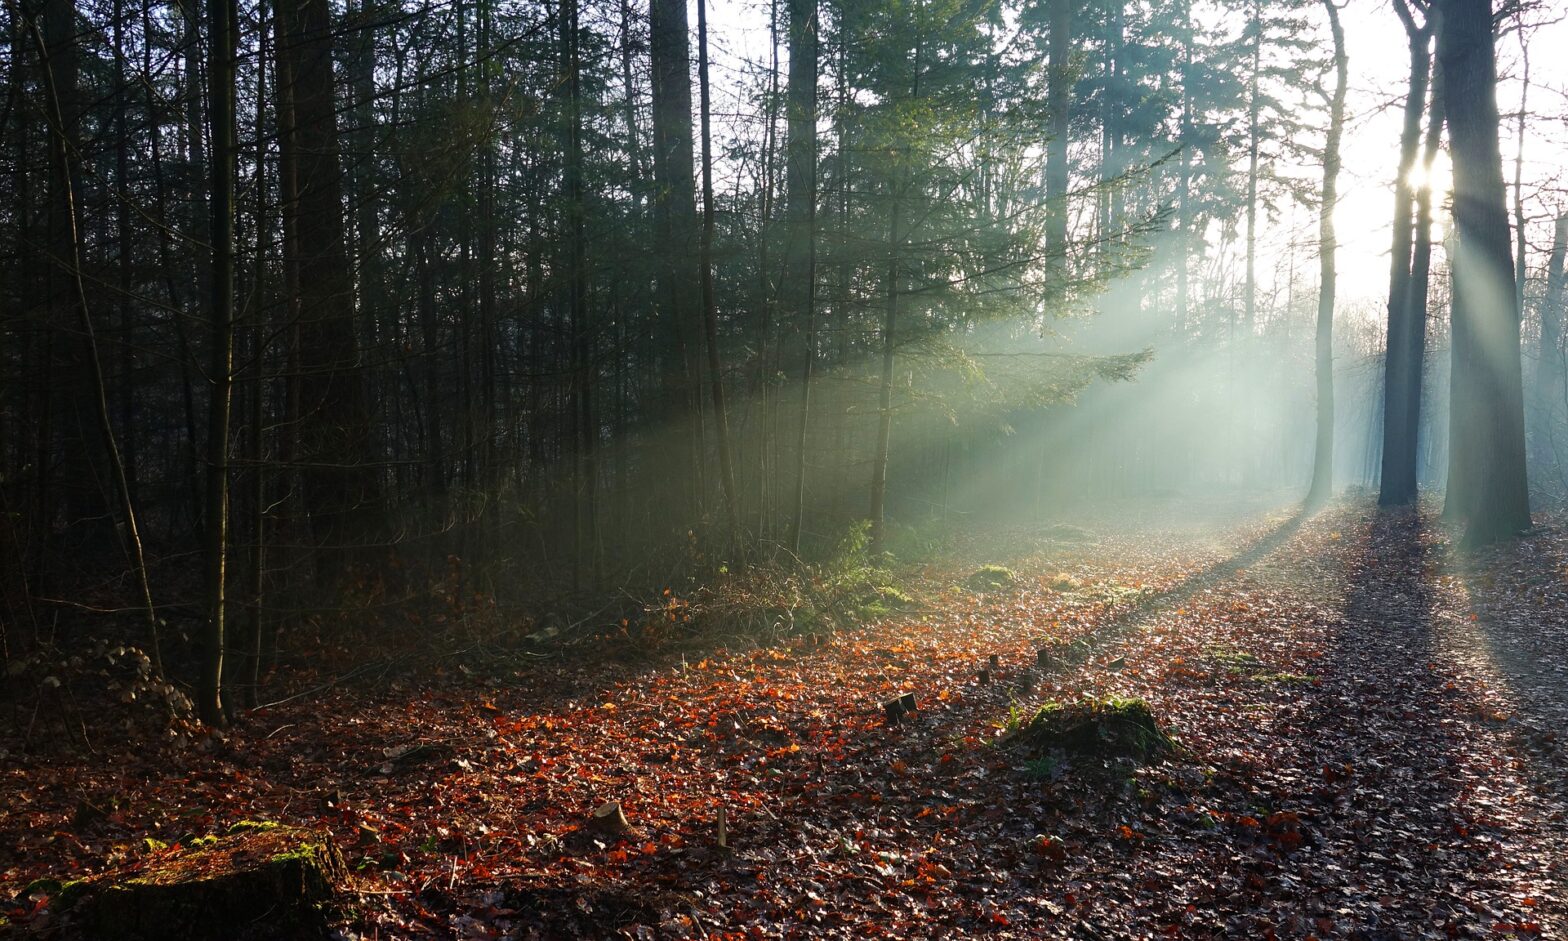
{"points": [[1323, 458], [676, 230], [768, 289], [710, 314], [289, 441], [801, 216], [1397, 485], [1058, 102], [897, 192], [339, 485], [1254, 132], [261, 328], [1521, 246], [488, 266], [1549, 361], [885, 386], [123, 251], [1109, 197], [221, 16], [584, 424], [1416, 290], [63, 449], [1184, 183], [1489, 415], [360, 61]]}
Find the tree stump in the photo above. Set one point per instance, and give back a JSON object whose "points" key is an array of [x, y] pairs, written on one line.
{"points": [[898, 707], [609, 819], [260, 882], [1109, 729]]}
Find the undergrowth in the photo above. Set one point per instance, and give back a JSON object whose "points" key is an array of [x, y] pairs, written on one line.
{"points": [[779, 598]]}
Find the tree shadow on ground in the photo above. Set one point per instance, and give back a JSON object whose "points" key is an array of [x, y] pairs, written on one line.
{"points": [[1137, 613], [1383, 757]]}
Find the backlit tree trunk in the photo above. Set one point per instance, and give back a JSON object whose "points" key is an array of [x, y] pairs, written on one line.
{"points": [[1323, 460], [1488, 409], [1398, 479]]}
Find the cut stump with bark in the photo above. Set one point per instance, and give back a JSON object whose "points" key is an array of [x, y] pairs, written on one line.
{"points": [[609, 819], [895, 709], [259, 882]]}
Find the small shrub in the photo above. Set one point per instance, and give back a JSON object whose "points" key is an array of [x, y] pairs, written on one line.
{"points": [[1045, 768]]}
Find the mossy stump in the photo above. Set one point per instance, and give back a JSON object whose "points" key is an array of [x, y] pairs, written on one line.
{"points": [[990, 578], [1095, 728], [256, 883]]}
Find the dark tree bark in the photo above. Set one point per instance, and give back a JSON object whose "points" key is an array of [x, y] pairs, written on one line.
{"points": [[339, 485], [1488, 405], [675, 222]]}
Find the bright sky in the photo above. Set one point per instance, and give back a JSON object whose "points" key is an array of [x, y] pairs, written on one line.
{"points": [[1378, 74]]}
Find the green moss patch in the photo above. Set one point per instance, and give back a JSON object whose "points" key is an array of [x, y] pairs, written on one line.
{"points": [[990, 578], [1108, 729], [257, 882]]}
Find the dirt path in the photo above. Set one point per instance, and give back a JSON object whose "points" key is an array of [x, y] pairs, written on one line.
{"points": [[1357, 762]]}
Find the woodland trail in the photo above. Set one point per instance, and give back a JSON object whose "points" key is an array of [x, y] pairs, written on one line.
{"points": [[1357, 760]]}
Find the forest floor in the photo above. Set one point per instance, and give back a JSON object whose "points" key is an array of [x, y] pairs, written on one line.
{"points": [[1371, 738]]}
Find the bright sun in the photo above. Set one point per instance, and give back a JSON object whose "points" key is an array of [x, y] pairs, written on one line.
{"points": [[1439, 177]]}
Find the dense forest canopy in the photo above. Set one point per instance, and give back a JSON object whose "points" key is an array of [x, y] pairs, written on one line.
{"points": [[311, 306]]}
